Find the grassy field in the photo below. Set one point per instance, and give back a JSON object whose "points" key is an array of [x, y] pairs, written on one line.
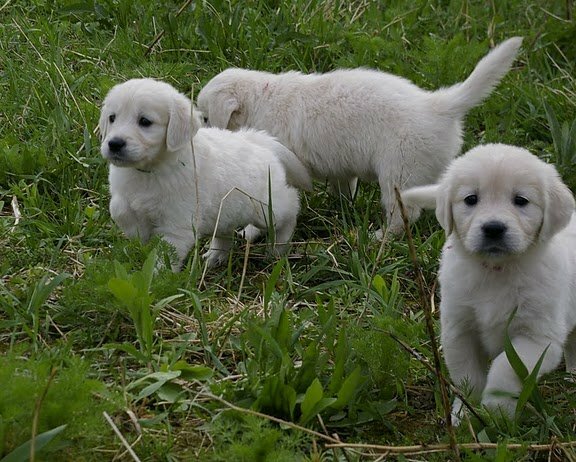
{"points": [[197, 365]]}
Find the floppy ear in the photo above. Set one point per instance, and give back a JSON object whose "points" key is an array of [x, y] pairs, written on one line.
{"points": [[103, 123], [444, 207], [558, 207], [221, 111], [178, 131]]}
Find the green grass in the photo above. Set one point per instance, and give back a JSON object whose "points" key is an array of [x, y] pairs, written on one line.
{"points": [[309, 339]]}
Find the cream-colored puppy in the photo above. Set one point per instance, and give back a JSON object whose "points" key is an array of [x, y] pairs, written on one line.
{"points": [[357, 123], [511, 245], [169, 177]]}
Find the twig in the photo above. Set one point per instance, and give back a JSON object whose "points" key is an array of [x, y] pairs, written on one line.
{"points": [[420, 357], [162, 32], [272, 419], [122, 439], [427, 449], [16, 212], [429, 327], [36, 416]]}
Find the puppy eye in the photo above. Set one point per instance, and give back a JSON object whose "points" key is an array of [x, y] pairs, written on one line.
{"points": [[205, 119], [111, 118], [144, 122], [520, 201], [472, 199]]}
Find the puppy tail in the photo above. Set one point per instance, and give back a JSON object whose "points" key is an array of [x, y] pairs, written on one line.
{"points": [[421, 196], [296, 173], [458, 99]]}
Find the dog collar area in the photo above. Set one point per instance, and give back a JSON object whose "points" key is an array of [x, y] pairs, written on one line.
{"points": [[150, 171]]}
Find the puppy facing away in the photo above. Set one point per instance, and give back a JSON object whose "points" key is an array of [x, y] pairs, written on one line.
{"points": [[169, 177], [357, 123], [511, 245]]}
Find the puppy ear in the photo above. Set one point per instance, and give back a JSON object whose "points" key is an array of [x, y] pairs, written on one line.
{"points": [[558, 207], [103, 123], [444, 207], [178, 132], [221, 112]]}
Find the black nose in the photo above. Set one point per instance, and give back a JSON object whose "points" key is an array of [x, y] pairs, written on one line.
{"points": [[494, 229], [116, 144]]}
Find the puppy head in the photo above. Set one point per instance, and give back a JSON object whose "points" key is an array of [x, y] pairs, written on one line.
{"points": [[223, 99], [499, 200], [142, 121]]}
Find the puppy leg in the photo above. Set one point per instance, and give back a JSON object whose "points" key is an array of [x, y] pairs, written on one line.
{"points": [[570, 352], [390, 206], [182, 242], [502, 380], [467, 364], [346, 188], [218, 252], [128, 221], [284, 231], [251, 233]]}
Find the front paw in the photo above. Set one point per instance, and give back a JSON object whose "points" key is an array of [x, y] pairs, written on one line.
{"points": [[215, 257], [500, 402], [457, 412]]}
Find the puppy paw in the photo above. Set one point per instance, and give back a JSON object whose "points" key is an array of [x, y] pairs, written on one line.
{"points": [[502, 405], [215, 257], [457, 412], [251, 233]]}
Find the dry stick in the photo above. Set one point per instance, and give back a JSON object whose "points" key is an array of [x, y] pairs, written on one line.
{"points": [[425, 362], [392, 450], [37, 414], [122, 439], [272, 418], [429, 326], [427, 449], [161, 33]]}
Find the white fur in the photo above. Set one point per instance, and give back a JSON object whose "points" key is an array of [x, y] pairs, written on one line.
{"points": [[162, 184], [530, 267], [357, 123]]}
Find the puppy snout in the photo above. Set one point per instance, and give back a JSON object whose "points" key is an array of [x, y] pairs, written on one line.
{"points": [[494, 230], [116, 144]]}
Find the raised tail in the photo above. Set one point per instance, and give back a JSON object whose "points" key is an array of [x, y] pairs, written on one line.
{"points": [[458, 99]]}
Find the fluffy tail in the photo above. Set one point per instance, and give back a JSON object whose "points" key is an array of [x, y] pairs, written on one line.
{"points": [[296, 173], [458, 99], [421, 196]]}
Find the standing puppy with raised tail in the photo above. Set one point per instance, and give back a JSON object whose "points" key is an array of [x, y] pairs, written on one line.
{"points": [[357, 123], [171, 178], [508, 267]]}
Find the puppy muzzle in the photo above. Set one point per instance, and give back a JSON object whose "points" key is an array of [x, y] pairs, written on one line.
{"points": [[494, 241]]}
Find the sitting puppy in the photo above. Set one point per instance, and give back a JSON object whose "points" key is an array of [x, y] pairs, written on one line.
{"points": [[169, 177], [357, 122], [511, 245]]}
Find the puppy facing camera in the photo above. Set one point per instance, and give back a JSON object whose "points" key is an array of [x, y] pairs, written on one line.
{"points": [[508, 267], [171, 177]]}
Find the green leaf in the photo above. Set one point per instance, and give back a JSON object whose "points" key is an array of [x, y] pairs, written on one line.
{"points": [[313, 395], [127, 348], [190, 372], [271, 283], [22, 452], [349, 388], [282, 331], [123, 290], [529, 388]]}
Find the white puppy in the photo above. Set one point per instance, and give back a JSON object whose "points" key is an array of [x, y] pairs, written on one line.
{"points": [[163, 184], [511, 245], [357, 123]]}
